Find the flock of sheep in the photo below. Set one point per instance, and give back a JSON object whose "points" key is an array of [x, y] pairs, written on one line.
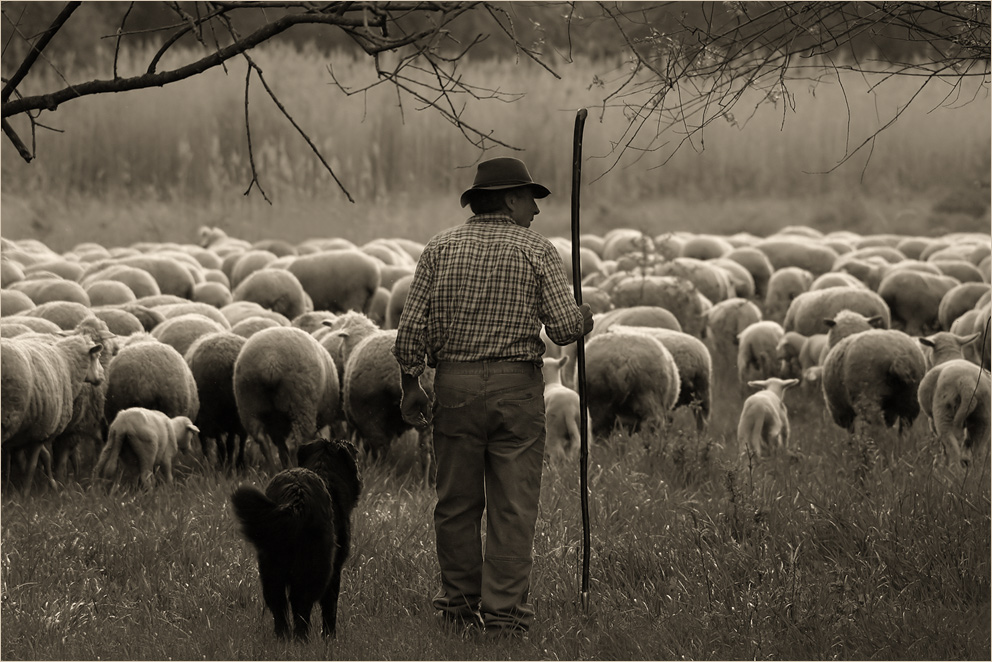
{"points": [[255, 348]]}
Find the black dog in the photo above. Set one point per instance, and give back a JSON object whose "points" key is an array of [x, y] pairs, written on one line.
{"points": [[301, 529]]}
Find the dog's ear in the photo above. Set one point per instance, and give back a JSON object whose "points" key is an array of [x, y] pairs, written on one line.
{"points": [[306, 451]]}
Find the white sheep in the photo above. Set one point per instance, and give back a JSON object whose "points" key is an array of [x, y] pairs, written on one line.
{"points": [[694, 364], [914, 298], [631, 379], [870, 380], [756, 351], [41, 377], [807, 312], [724, 323], [148, 373], [784, 285], [563, 417], [956, 396], [154, 438], [286, 387], [764, 421]]}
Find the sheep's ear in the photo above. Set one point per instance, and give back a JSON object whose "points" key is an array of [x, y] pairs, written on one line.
{"points": [[964, 340], [96, 349], [876, 321], [830, 323], [789, 383], [926, 341], [193, 428], [326, 322], [758, 383]]}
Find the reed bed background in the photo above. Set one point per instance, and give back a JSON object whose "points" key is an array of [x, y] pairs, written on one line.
{"points": [[849, 549], [155, 164]]}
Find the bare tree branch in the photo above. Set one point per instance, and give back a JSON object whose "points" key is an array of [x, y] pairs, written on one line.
{"points": [[36, 50]]}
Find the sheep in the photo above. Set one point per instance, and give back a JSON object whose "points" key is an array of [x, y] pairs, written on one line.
{"points": [[249, 326], [247, 264], [695, 368], [945, 346], [344, 334], [171, 275], [35, 324], [764, 421], [622, 241], [836, 279], [313, 320], [705, 247], [961, 270], [286, 388], [787, 352], [756, 351], [562, 414], [236, 311], [741, 280], [784, 285], [397, 297], [372, 393], [724, 323], [914, 299], [846, 323], [377, 306], [338, 280], [711, 281], [182, 331], [153, 437], [785, 252], [213, 293], [10, 271], [211, 360], [148, 373], [956, 395], [44, 290], [957, 301], [66, 314], [810, 356], [870, 380], [807, 312], [678, 296], [631, 379], [757, 264], [40, 377], [149, 318], [13, 302], [274, 289], [109, 292]]}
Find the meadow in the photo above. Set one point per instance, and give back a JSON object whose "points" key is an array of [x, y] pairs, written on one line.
{"points": [[847, 549], [157, 164]]}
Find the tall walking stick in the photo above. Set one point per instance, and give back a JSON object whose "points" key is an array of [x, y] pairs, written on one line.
{"points": [[580, 356]]}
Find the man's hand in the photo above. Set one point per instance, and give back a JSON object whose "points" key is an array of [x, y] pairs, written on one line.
{"points": [[415, 406], [586, 318]]}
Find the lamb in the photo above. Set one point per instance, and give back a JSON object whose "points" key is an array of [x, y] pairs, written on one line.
{"points": [[211, 361], [631, 379], [338, 280], [40, 377], [562, 414], [372, 393], [807, 312], [764, 421], [286, 388], [153, 437], [870, 380], [756, 351], [945, 346], [274, 289], [695, 369], [956, 397], [148, 373]]}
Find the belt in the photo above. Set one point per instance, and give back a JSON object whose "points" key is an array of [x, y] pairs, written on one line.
{"points": [[486, 367]]}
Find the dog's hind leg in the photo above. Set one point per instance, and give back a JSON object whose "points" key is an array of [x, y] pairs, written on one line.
{"points": [[329, 603], [302, 599], [274, 593]]}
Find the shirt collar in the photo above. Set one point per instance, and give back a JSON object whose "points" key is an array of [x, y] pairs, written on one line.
{"points": [[491, 218]]}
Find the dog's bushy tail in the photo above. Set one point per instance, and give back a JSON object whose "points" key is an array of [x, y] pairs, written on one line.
{"points": [[265, 523]]}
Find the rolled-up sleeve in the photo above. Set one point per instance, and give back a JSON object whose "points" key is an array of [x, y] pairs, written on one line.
{"points": [[411, 333], [558, 311]]}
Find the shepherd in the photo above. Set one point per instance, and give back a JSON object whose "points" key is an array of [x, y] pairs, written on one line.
{"points": [[479, 297]]}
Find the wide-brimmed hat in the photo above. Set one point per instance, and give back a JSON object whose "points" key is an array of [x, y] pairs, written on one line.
{"points": [[503, 173]]}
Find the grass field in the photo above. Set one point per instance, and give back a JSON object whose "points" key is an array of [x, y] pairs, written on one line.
{"points": [[839, 553]]}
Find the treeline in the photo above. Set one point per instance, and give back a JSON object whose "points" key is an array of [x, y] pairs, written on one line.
{"points": [[556, 29]]}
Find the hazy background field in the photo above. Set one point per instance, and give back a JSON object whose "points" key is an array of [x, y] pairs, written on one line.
{"points": [[156, 164]]}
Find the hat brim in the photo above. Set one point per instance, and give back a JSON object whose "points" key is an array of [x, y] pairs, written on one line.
{"points": [[539, 191]]}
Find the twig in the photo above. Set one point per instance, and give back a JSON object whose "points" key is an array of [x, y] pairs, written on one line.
{"points": [[251, 152], [36, 50]]}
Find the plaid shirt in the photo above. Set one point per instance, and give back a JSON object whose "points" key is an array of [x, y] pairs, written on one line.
{"points": [[481, 292]]}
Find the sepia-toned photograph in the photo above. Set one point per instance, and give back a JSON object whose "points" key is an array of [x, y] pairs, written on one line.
{"points": [[519, 330]]}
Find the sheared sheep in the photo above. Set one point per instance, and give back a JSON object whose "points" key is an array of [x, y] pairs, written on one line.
{"points": [[211, 360], [631, 379], [764, 422], [807, 312], [695, 368], [870, 380], [154, 438], [40, 377], [286, 387], [562, 414]]}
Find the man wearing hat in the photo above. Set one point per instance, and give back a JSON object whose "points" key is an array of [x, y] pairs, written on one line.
{"points": [[475, 308]]}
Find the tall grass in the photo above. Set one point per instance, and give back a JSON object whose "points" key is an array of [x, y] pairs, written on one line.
{"points": [[850, 550], [184, 148]]}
